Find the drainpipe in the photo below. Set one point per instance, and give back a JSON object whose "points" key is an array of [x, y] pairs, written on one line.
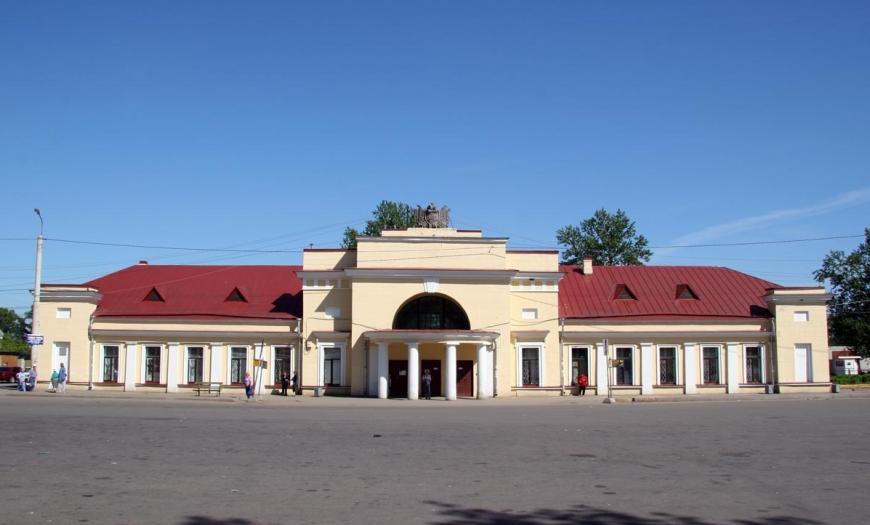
{"points": [[300, 359], [561, 357], [91, 351]]}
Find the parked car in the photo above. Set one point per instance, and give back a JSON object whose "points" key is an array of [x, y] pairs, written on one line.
{"points": [[9, 373]]}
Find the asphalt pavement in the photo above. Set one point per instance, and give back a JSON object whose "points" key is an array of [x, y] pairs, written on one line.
{"points": [[141, 460]]}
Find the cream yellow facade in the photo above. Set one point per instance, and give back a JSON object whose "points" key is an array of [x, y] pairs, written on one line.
{"points": [[483, 320]]}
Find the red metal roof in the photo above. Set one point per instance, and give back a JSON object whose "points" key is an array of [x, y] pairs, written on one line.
{"points": [[722, 293], [198, 292]]}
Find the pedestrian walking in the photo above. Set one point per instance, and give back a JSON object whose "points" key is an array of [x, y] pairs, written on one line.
{"points": [[293, 384], [32, 379], [249, 385], [54, 378], [582, 383], [427, 384], [285, 382], [61, 378]]}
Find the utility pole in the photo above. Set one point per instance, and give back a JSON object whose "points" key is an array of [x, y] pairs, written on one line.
{"points": [[37, 288]]}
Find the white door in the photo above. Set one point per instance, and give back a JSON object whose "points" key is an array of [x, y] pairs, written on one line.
{"points": [[60, 354], [800, 363]]}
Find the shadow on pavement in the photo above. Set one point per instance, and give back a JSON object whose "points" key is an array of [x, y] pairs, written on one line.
{"points": [[205, 520], [583, 515]]}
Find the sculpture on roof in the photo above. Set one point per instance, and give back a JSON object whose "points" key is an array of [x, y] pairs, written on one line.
{"points": [[432, 217]]}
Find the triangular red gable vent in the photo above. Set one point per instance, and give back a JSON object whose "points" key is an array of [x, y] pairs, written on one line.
{"points": [[684, 292], [236, 296], [154, 295], [622, 292]]}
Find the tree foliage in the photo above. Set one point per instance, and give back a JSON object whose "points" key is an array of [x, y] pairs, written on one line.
{"points": [[849, 279], [387, 215], [610, 239], [14, 328]]}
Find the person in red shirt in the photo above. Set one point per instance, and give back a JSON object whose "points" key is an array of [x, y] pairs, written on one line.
{"points": [[582, 383]]}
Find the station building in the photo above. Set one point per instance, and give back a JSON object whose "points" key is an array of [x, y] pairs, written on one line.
{"points": [[485, 321]]}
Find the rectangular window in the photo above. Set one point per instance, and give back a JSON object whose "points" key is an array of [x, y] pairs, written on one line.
{"points": [[668, 366], [711, 365], [152, 364], [332, 366], [238, 364], [110, 364], [579, 363], [194, 364], [801, 317], [283, 357], [623, 371], [63, 313], [530, 314], [754, 365], [531, 367]]}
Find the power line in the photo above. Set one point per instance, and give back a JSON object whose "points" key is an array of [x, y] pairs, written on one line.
{"points": [[754, 243]]}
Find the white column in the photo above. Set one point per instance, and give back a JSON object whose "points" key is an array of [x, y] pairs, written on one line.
{"points": [[600, 370], [647, 369], [484, 372], [383, 370], [690, 368], [373, 370], [733, 369], [413, 371], [172, 367], [214, 374], [130, 368], [450, 387]]}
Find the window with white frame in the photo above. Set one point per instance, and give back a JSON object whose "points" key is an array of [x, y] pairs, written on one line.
{"points": [[754, 357], [238, 364], [194, 364], [63, 313], [710, 357], [110, 364], [283, 363], [530, 314], [667, 365], [801, 316], [152, 364], [331, 366], [531, 365], [625, 367], [579, 363]]}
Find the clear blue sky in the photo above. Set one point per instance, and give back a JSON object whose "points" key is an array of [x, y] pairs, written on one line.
{"points": [[217, 124]]}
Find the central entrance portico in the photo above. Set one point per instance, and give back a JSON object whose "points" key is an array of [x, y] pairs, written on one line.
{"points": [[472, 349]]}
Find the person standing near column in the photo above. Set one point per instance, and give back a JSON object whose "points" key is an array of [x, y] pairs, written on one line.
{"points": [[582, 383], [285, 382], [61, 378], [427, 384]]}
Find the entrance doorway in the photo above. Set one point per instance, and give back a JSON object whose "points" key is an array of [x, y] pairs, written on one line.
{"points": [[398, 378], [434, 367], [464, 378]]}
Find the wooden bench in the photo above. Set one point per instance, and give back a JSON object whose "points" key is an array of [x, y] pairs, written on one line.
{"points": [[207, 388]]}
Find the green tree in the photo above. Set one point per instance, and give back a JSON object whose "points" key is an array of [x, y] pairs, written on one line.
{"points": [[610, 239], [849, 279], [14, 328], [386, 215]]}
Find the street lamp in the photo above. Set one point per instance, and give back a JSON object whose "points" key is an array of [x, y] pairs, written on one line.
{"points": [[37, 290]]}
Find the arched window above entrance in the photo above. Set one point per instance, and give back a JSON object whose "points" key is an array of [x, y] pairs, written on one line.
{"points": [[431, 312]]}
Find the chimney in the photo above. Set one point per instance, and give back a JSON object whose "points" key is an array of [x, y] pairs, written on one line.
{"points": [[587, 266], [142, 262]]}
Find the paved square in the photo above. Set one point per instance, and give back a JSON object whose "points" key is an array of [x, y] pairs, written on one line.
{"points": [[73, 460]]}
